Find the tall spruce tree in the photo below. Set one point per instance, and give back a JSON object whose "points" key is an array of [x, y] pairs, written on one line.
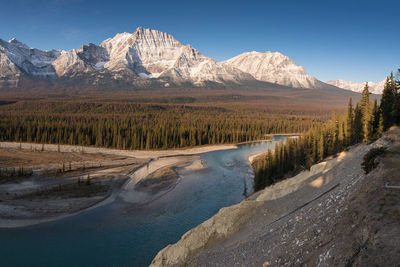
{"points": [[366, 113], [350, 123], [387, 101], [375, 120], [358, 125], [396, 102]]}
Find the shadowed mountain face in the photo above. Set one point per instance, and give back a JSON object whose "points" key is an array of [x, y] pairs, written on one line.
{"points": [[145, 59]]}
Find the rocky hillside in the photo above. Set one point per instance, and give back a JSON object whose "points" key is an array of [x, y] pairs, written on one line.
{"points": [[332, 215]]}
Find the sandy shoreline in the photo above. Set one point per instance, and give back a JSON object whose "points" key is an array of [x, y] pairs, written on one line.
{"points": [[154, 161], [16, 223], [253, 157], [143, 154]]}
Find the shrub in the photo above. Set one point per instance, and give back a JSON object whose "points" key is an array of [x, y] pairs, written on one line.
{"points": [[369, 159]]}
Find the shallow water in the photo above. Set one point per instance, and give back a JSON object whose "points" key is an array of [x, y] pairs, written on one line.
{"points": [[120, 234]]}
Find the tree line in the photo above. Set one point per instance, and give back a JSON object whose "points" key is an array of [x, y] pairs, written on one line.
{"points": [[363, 123], [141, 126]]}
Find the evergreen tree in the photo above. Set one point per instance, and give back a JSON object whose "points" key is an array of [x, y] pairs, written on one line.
{"points": [[358, 125], [350, 123], [321, 148], [380, 128], [396, 102], [375, 120], [366, 113], [387, 101]]}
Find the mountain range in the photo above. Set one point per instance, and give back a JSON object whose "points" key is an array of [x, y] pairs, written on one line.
{"points": [[146, 58], [375, 88]]}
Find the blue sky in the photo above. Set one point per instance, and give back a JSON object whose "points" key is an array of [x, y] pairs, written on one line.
{"points": [[352, 40]]}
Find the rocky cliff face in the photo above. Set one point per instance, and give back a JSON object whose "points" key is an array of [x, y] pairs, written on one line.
{"points": [[9, 72]]}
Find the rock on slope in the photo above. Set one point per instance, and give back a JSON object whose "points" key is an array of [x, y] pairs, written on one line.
{"points": [[9, 72], [332, 215], [375, 88], [274, 68]]}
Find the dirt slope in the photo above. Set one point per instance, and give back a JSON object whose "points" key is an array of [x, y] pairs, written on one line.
{"points": [[332, 215]]}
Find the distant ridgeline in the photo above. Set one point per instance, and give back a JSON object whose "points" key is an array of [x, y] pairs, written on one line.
{"points": [[142, 126], [364, 123]]}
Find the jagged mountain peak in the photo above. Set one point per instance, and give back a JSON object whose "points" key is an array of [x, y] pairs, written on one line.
{"points": [[14, 41]]}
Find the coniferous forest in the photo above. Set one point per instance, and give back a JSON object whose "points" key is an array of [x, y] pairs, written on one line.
{"points": [[149, 124], [363, 122]]}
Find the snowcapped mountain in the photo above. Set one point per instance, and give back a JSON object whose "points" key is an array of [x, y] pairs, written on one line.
{"points": [[134, 57], [145, 58], [154, 54], [273, 68], [375, 88], [30, 60]]}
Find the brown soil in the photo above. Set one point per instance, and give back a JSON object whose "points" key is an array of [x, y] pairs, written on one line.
{"points": [[73, 190], [11, 157]]}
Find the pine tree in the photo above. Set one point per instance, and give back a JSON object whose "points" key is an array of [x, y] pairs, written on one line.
{"points": [[375, 120], [350, 123], [366, 113], [358, 125], [380, 127], [321, 148], [396, 102], [387, 101]]}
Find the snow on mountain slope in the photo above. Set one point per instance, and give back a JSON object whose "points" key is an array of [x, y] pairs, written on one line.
{"points": [[154, 54], [274, 68], [93, 55], [140, 55], [33, 61], [9, 72], [70, 63], [146, 58], [147, 51], [375, 88], [192, 65]]}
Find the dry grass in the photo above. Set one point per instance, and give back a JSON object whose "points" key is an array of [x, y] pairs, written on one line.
{"points": [[66, 191], [10, 157]]}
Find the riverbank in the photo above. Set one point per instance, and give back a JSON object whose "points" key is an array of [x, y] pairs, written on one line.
{"points": [[254, 158], [48, 195], [155, 179], [140, 154], [76, 180], [333, 214]]}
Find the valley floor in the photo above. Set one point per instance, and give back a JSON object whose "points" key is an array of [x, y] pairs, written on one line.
{"points": [[332, 215], [44, 183]]}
